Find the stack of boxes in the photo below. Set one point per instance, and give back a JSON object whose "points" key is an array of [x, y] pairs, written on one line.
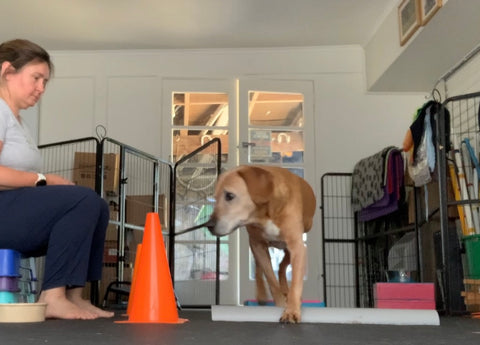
{"points": [[84, 174], [136, 209], [471, 295], [84, 170]]}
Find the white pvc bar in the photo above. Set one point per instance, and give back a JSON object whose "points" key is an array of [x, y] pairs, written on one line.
{"points": [[329, 315]]}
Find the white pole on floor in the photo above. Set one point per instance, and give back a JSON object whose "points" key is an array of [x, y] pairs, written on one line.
{"points": [[329, 315]]}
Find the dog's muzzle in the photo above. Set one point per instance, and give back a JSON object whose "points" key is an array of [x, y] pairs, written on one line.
{"points": [[210, 225]]}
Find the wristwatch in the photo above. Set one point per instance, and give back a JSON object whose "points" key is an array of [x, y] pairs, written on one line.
{"points": [[41, 180]]}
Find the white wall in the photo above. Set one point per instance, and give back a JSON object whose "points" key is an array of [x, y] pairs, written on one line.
{"points": [[435, 47], [354, 124], [464, 80], [122, 91]]}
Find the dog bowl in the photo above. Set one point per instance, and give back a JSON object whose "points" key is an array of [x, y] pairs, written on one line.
{"points": [[22, 312], [9, 284], [401, 276], [9, 263], [8, 297]]}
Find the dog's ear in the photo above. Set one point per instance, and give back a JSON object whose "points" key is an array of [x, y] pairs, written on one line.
{"points": [[259, 183]]}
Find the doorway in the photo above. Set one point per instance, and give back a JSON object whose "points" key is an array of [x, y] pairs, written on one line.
{"points": [[265, 122]]}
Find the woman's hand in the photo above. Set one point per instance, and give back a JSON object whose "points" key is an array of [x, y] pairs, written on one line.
{"points": [[53, 179]]}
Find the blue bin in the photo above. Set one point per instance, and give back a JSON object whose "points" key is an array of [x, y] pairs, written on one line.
{"points": [[9, 263], [8, 297]]}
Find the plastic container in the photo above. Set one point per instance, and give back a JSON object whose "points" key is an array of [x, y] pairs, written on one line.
{"points": [[9, 263], [401, 276], [9, 284], [8, 297], [472, 249], [22, 312]]}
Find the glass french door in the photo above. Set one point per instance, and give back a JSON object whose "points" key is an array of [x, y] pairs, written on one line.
{"points": [[276, 126], [272, 125], [200, 110]]}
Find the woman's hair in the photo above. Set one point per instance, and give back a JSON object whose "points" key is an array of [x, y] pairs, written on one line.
{"points": [[20, 52]]}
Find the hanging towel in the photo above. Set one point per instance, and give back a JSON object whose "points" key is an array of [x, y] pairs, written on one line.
{"points": [[429, 141], [417, 128], [392, 190], [368, 180]]}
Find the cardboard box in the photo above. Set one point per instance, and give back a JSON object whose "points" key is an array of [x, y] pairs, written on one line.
{"points": [[132, 239], [137, 207], [471, 295], [114, 215], [84, 169], [110, 251], [112, 233], [404, 295], [112, 229], [433, 201]]}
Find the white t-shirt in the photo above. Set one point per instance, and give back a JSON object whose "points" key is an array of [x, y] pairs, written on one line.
{"points": [[19, 149]]}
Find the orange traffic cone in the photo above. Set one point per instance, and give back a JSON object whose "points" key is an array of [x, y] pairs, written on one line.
{"points": [[152, 299]]}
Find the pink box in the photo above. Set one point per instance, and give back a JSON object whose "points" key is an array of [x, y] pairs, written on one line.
{"points": [[404, 291], [404, 295], [404, 304]]}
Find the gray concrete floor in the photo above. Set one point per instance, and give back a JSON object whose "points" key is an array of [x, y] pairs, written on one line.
{"points": [[201, 330]]}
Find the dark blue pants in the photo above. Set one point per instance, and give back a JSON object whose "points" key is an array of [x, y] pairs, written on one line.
{"points": [[67, 224]]}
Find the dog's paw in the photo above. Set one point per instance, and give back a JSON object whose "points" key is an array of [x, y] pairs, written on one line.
{"points": [[290, 316]]}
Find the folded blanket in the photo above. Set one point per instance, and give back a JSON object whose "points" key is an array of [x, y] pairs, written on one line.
{"points": [[368, 179], [392, 190]]}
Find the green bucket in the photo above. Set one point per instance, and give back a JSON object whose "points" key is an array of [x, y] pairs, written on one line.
{"points": [[472, 249]]}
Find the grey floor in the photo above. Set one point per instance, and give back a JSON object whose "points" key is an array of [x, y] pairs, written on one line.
{"points": [[201, 330]]}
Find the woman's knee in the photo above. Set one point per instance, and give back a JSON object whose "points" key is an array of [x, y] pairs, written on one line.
{"points": [[93, 201]]}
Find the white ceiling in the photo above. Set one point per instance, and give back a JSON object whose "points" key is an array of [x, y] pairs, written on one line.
{"points": [[165, 24]]}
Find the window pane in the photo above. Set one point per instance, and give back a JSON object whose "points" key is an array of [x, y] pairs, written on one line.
{"points": [[185, 142], [200, 109], [275, 146], [198, 118], [197, 261], [275, 109]]}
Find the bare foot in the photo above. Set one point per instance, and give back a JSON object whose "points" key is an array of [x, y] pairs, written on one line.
{"points": [[75, 296], [59, 307], [86, 305]]}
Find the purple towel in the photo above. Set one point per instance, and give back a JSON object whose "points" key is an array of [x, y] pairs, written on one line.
{"points": [[389, 202], [386, 205]]}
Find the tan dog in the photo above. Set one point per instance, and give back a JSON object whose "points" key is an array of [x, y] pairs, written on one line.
{"points": [[277, 207]]}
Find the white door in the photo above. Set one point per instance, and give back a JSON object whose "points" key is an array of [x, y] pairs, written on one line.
{"points": [[199, 110], [276, 128]]}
